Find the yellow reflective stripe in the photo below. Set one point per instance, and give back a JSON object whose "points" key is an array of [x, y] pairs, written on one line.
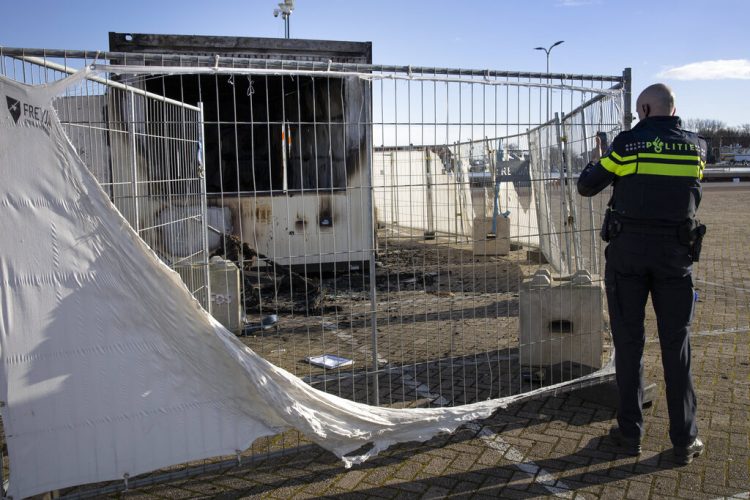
{"points": [[616, 168], [609, 164], [668, 169], [659, 156], [623, 159]]}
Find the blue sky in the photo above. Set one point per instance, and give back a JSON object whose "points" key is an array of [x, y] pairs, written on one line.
{"points": [[678, 42]]}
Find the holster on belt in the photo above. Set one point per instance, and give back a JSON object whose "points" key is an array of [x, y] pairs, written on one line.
{"points": [[691, 233], [611, 226]]}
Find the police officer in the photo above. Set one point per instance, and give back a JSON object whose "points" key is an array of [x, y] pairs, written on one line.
{"points": [[653, 236]]}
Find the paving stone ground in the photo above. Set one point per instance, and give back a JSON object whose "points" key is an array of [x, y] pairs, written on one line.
{"points": [[555, 446]]}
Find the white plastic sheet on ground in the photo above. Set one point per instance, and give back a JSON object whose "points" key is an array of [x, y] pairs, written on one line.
{"points": [[109, 366]]}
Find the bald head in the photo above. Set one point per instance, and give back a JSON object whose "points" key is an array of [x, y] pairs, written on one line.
{"points": [[655, 100]]}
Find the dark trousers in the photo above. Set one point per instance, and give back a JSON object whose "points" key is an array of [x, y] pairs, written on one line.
{"points": [[639, 264]]}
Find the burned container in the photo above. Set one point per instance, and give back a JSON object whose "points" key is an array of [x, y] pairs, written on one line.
{"points": [[287, 154]]}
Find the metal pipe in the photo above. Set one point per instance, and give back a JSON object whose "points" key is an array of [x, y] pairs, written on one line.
{"points": [[590, 200], [187, 472], [428, 193], [564, 204], [590, 102], [242, 62], [192, 70], [204, 207], [627, 99], [372, 242], [104, 81], [3, 491], [134, 167], [572, 221]]}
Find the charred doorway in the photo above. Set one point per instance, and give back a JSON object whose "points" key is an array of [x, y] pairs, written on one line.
{"points": [[279, 134], [287, 154]]}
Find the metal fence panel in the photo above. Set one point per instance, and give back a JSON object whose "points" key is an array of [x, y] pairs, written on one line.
{"points": [[145, 153], [392, 221]]}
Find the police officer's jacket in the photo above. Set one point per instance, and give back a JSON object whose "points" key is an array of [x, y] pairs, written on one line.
{"points": [[656, 170]]}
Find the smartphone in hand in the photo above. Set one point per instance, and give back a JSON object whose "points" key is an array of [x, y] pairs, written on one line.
{"points": [[602, 141]]}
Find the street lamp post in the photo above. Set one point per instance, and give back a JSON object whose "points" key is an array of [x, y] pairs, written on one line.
{"points": [[547, 51]]}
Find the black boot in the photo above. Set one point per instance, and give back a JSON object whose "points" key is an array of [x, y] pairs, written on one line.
{"points": [[629, 445]]}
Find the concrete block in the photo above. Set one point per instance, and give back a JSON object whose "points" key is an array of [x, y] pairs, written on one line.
{"points": [[561, 320], [485, 243], [226, 301]]}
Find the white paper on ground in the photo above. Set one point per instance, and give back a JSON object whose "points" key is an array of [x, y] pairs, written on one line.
{"points": [[329, 361], [109, 365]]}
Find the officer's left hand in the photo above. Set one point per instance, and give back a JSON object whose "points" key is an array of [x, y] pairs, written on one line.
{"points": [[596, 153]]}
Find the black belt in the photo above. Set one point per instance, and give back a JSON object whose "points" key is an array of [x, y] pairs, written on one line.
{"points": [[649, 229]]}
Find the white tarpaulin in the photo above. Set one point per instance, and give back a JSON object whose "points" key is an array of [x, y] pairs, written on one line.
{"points": [[541, 178]]}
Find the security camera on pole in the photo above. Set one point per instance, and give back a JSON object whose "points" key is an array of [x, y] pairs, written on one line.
{"points": [[285, 10]]}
